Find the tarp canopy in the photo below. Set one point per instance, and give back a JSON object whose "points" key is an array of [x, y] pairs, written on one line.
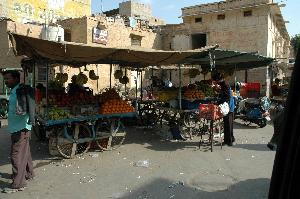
{"points": [[80, 54], [229, 59], [77, 54]]}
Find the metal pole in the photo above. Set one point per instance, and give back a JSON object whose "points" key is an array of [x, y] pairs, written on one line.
{"points": [[110, 72], [47, 86], [179, 94]]}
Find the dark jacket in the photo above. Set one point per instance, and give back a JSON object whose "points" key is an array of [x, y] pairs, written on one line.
{"points": [[225, 95], [26, 102]]}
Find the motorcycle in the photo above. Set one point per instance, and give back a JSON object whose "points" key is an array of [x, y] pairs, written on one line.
{"points": [[253, 110]]}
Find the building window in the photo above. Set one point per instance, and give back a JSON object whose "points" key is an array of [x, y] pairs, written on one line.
{"points": [[198, 20], [136, 40], [248, 13], [221, 17]]}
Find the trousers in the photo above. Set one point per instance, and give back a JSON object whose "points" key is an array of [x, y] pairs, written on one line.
{"points": [[22, 166], [228, 129]]}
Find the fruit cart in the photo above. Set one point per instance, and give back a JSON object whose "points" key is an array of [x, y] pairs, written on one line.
{"points": [[72, 126], [180, 106]]}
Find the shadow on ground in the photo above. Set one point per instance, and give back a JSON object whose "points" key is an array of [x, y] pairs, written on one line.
{"points": [[243, 125], [252, 147], [162, 189]]}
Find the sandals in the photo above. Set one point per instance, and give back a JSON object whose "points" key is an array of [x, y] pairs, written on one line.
{"points": [[13, 190]]}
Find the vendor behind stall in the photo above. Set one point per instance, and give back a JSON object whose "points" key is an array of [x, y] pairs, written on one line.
{"points": [[276, 88], [225, 95]]}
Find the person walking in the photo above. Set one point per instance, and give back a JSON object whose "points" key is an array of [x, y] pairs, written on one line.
{"points": [[225, 95], [21, 117]]}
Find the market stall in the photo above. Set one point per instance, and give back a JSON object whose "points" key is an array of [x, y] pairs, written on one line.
{"points": [[75, 118], [189, 110]]}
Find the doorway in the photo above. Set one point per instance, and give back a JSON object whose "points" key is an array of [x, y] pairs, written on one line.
{"points": [[198, 41]]}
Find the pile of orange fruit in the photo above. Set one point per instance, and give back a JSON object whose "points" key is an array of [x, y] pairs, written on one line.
{"points": [[115, 106], [193, 94]]}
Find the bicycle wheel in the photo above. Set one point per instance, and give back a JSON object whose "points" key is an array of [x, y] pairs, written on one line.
{"points": [[68, 148], [190, 119], [111, 134]]}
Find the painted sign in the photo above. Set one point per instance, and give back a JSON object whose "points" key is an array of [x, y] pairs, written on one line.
{"points": [[100, 36]]}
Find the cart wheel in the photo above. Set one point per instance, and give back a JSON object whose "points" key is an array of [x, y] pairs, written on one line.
{"points": [[3, 108], [110, 134], [66, 147]]}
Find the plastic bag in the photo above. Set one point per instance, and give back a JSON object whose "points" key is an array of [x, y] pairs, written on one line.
{"points": [[224, 108]]}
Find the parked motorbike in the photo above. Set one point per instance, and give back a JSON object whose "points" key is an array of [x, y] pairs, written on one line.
{"points": [[253, 110]]}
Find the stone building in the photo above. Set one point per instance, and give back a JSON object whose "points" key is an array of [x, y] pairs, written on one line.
{"points": [[243, 25], [135, 10], [45, 11]]}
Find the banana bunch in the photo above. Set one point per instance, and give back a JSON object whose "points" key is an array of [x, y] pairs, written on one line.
{"points": [[124, 80], [57, 114], [118, 74], [62, 77], [54, 84], [92, 75], [79, 79]]}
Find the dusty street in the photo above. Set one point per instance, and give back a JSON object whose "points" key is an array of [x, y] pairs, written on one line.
{"points": [[177, 169]]}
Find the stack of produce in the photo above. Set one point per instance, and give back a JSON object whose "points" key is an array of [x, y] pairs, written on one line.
{"points": [[193, 94], [115, 106], [165, 96], [58, 114], [111, 102], [64, 100], [206, 88]]}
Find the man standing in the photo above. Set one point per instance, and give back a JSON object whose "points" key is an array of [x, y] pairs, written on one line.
{"points": [[21, 113]]}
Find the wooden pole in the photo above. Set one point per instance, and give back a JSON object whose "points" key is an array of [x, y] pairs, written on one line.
{"points": [[110, 72], [141, 74]]}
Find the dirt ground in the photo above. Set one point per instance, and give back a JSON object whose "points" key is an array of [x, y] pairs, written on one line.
{"points": [[176, 169]]}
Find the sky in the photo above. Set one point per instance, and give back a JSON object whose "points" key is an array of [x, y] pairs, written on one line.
{"points": [[170, 10]]}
